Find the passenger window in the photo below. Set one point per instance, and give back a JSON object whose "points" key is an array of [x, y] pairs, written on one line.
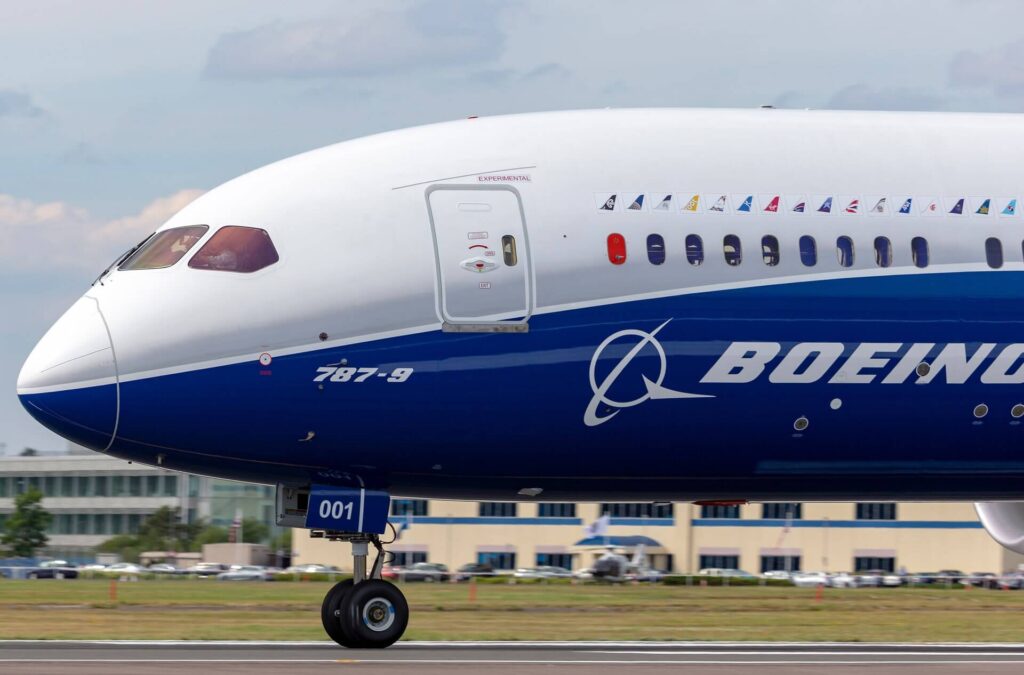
{"points": [[808, 251], [844, 251], [165, 248], [883, 252], [236, 249], [770, 250], [919, 250], [994, 252], [616, 248], [694, 250], [733, 250], [655, 249]]}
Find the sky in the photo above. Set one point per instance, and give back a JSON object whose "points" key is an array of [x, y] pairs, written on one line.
{"points": [[115, 114]]}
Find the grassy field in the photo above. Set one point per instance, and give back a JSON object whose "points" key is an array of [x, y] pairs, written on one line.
{"points": [[209, 609]]}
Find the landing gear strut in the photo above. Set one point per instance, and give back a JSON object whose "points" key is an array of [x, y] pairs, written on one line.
{"points": [[364, 611]]}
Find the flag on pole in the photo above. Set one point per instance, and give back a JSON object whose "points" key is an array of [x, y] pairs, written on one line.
{"points": [[598, 528]]}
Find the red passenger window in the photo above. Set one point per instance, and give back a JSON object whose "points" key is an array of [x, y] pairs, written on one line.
{"points": [[616, 248], [236, 249], [165, 248]]}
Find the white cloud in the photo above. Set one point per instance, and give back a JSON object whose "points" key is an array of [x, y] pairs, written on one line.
{"points": [[1001, 70], [427, 34], [57, 235], [18, 104], [864, 97]]}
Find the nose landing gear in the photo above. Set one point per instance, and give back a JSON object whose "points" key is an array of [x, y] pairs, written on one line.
{"points": [[364, 611]]}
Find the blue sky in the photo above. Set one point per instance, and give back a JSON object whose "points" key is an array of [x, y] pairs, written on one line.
{"points": [[114, 114]]}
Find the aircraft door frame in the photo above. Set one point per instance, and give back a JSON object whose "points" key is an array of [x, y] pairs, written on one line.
{"points": [[482, 258]]}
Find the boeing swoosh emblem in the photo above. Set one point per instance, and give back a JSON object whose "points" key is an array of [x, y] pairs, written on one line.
{"points": [[655, 391]]}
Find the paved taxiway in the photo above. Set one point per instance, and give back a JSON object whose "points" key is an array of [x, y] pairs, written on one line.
{"points": [[500, 658]]}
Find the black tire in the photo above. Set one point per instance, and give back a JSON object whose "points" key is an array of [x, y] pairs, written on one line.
{"points": [[330, 613], [374, 614]]}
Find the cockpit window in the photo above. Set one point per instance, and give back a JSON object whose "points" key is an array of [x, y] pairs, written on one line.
{"points": [[236, 249], [165, 248]]}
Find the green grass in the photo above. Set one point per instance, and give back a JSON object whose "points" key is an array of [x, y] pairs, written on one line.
{"points": [[208, 609]]}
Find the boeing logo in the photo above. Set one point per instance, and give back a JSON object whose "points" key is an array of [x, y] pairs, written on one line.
{"points": [[810, 362], [884, 362], [653, 390]]}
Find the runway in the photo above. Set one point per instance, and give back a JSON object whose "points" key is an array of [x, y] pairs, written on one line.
{"points": [[500, 658]]}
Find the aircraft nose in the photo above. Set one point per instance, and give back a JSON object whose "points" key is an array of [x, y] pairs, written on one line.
{"points": [[69, 381]]}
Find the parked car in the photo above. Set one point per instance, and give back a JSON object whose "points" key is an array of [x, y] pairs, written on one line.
{"points": [[163, 568], [725, 572], [1012, 580], [93, 567], [207, 569], [542, 572], [842, 580], [424, 571], [948, 577], [646, 574], [54, 569], [782, 575], [921, 578], [313, 568], [124, 568], [471, 570], [810, 579], [246, 573], [390, 571], [981, 580]]}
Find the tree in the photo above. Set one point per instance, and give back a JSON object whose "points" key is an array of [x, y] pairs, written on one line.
{"points": [[211, 534], [254, 531], [163, 530], [25, 530]]}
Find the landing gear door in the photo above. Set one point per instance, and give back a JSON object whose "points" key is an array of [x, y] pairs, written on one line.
{"points": [[483, 258]]}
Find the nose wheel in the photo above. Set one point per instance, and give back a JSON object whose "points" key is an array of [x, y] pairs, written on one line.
{"points": [[364, 611]]}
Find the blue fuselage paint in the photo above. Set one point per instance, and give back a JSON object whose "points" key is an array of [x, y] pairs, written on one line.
{"points": [[491, 414]]}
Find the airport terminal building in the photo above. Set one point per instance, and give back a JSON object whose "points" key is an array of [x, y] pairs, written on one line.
{"points": [[684, 538]]}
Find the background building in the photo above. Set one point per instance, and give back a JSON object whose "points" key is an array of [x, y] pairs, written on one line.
{"points": [[93, 497], [687, 537]]}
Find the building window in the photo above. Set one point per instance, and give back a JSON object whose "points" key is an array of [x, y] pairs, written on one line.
{"points": [[844, 251], [405, 558], [694, 249], [556, 510], [4, 487], [67, 486], [555, 560], [728, 562], [117, 486], [720, 511], [35, 483], [170, 486], [785, 563], [152, 486], [82, 524], [116, 523], [994, 253], [733, 250], [876, 511], [782, 511], [100, 485], [770, 250], [634, 510], [100, 524], [135, 486], [409, 507], [871, 563], [50, 486], [808, 251], [498, 509], [499, 561], [655, 249], [134, 520], [883, 252], [616, 248], [65, 524], [83, 486], [919, 251]]}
